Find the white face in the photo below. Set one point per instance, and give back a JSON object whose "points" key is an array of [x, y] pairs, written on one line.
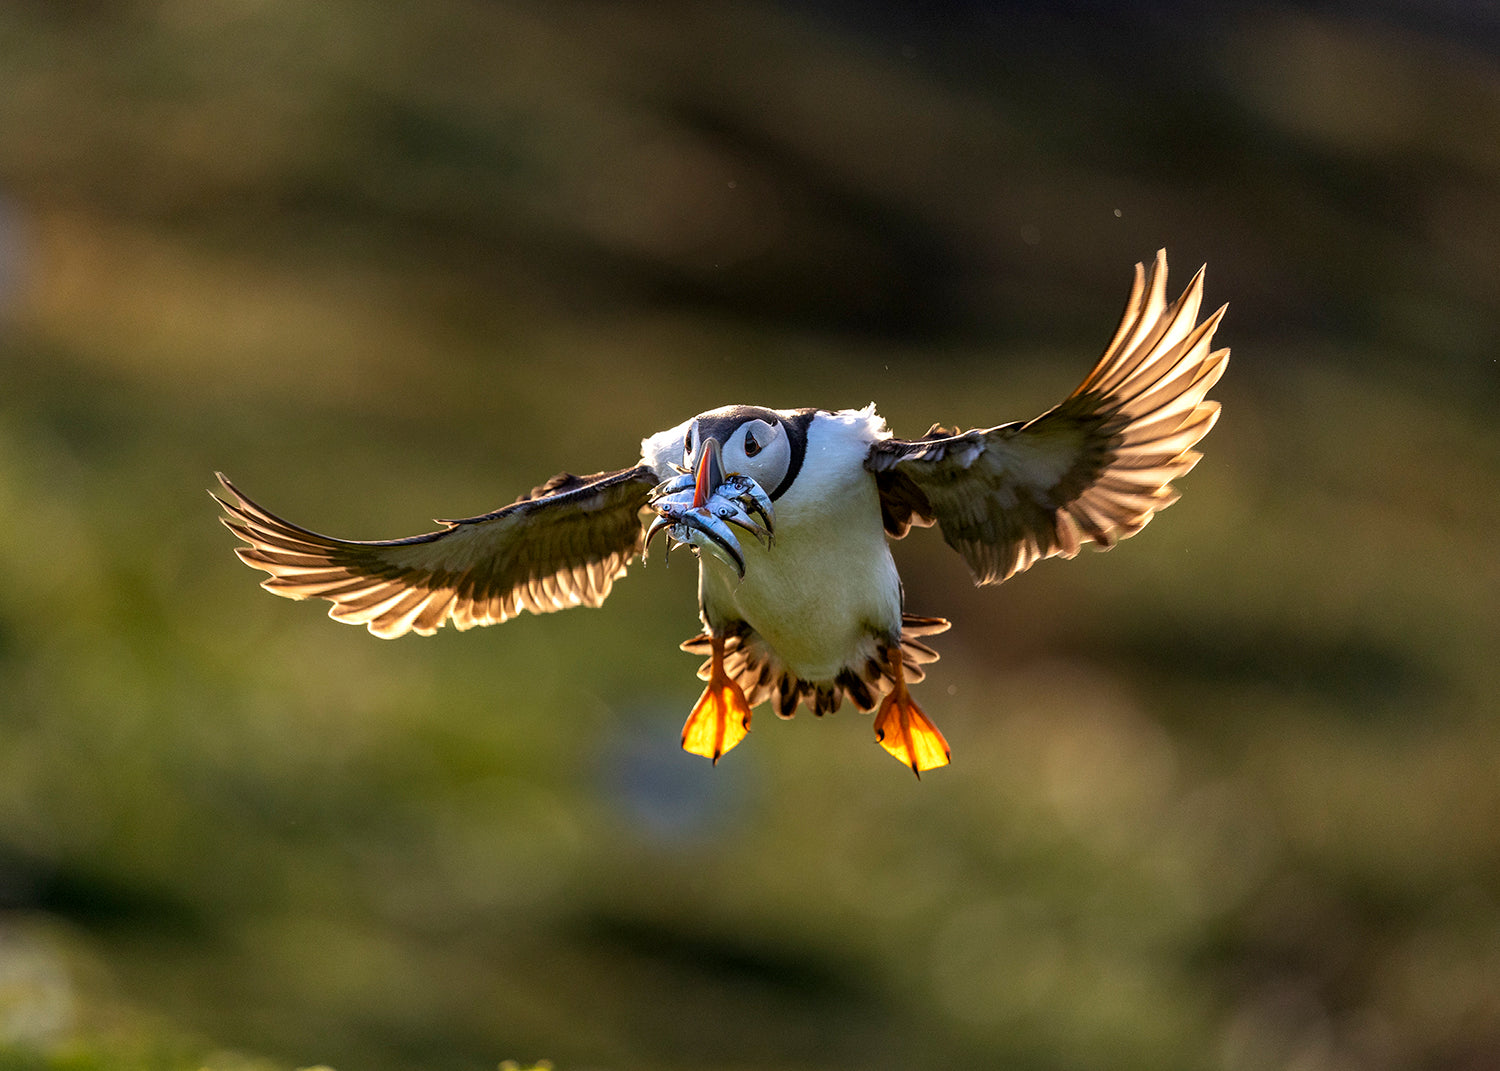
{"points": [[757, 448]]}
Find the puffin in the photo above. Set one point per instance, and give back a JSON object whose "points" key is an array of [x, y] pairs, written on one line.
{"points": [[790, 513]]}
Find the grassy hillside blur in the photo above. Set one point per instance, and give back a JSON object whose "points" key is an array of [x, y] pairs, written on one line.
{"points": [[1227, 797]]}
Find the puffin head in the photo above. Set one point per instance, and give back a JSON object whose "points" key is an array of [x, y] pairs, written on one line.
{"points": [[735, 462], [749, 440]]}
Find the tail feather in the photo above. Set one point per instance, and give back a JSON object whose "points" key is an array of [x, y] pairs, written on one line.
{"points": [[758, 670]]}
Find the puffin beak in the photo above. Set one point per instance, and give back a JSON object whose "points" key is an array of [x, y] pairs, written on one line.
{"points": [[709, 472]]}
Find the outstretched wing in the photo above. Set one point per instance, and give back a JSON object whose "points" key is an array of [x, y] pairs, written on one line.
{"points": [[564, 544], [1097, 467]]}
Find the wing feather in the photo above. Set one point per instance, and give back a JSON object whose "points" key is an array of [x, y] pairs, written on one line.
{"points": [[1096, 468], [562, 545]]}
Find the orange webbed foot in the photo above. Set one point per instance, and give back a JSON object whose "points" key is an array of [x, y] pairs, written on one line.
{"points": [[904, 731], [721, 717]]}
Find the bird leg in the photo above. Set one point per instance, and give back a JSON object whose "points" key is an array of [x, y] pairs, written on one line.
{"points": [[902, 728], [721, 717]]}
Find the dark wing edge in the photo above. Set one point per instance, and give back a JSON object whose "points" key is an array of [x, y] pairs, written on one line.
{"points": [[1096, 468], [564, 544]]}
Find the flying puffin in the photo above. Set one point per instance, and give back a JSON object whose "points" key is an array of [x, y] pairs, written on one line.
{"points": [[790, 512]]}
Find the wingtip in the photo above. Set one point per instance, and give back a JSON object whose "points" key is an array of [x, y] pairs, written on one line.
{"points": [[1195, 284], [1159, 270], [226, 485]]}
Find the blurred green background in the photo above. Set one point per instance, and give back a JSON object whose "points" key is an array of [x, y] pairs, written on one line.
{"points": [[1227, 797]]}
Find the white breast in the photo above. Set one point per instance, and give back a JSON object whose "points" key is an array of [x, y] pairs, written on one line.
{"points": [[828, 580]]}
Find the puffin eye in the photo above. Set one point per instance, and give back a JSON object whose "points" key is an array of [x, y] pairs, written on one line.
{"points": [[751, 446]]}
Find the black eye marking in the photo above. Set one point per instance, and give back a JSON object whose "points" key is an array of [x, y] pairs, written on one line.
{"points": [[751, 446], [687, 443]]}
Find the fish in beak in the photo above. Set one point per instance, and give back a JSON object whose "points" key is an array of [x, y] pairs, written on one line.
{"points": [[699, 506]]}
